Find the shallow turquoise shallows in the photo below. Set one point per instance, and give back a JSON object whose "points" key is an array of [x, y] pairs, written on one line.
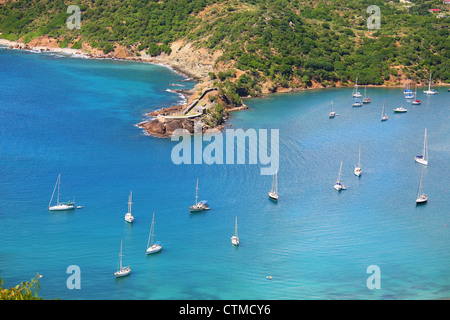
{"points": [[77, 117]]}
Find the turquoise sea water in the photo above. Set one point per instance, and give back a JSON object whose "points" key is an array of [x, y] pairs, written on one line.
{"points": [[76, 117]]}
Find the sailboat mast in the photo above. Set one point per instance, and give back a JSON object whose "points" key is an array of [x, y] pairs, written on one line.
{"points": [[340, 169], [419, 189], [150, 236], [196, 193], [276, 182], [359, 158], [54, 189], [425, 149], [120, 255], [235, 228], [59, 183], [130, 197], [429, 83]]}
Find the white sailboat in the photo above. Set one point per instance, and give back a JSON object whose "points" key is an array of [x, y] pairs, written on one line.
{"points": [[235, 237], [423, 158], [122, 271], [332, 114], [430, 91], [356, 93], [273, 193], [128, 216], [400, 110], [155, 246], [338, 185], [60, 206], [408, 92], [358, 170], [421, 197], [384, 115], [198, 206]]}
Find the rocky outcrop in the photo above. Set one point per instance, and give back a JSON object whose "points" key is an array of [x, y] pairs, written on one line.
{"points": [[163, 127]]}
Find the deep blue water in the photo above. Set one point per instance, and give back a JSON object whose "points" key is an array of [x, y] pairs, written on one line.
{"points": [[77, 117]]}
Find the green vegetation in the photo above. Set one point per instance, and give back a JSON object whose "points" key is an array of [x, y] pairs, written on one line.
{"points": [[279, 43], [23, 291]]}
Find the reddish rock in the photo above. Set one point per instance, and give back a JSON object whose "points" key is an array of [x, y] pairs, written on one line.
{"points": [[173, 125], [154, 127]]}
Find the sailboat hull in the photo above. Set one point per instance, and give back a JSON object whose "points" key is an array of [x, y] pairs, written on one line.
{"points": [[235, 240], [154, 248], [273, 196], [422, 200], [357, 172], [129, 218], [122, 273], [62, 207], [421, 160]]}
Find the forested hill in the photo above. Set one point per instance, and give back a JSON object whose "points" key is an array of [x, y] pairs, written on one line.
{"points": [[276, 43]]}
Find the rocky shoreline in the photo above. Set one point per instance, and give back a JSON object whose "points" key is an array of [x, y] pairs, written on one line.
{"points": [[192, 63]]}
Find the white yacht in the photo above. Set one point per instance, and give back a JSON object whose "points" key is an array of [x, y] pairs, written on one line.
{"points": [[153, 247], [338, 185], [235, 237], [332, 114], [384, 115], [122, 271], [60, 206], [358, 170], [423, 158], [430, 91], [128, 216], [356, 93], [273, 193], [421, 197]]}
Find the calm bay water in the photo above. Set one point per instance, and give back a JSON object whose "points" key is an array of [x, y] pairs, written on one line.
{"points": [[76, 117]]}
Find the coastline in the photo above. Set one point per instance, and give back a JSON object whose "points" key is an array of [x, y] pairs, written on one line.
{"points": [[186, 63]]}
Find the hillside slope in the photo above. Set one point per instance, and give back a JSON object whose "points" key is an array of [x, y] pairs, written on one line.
{"points": [[249, 47]]}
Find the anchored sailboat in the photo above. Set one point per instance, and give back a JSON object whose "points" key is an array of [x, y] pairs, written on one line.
{"points": [[273, 193], [366, 98], [235, 238], [408, 92], [430, 91], [332, 114], [122, 271], [355, 93], [421, 197], [338, 185], [155, 246], [423, 158], [198, 206], [357, 103], [400, 110], [384, 115], [60, 206], [128, 216], [358, 170]]}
